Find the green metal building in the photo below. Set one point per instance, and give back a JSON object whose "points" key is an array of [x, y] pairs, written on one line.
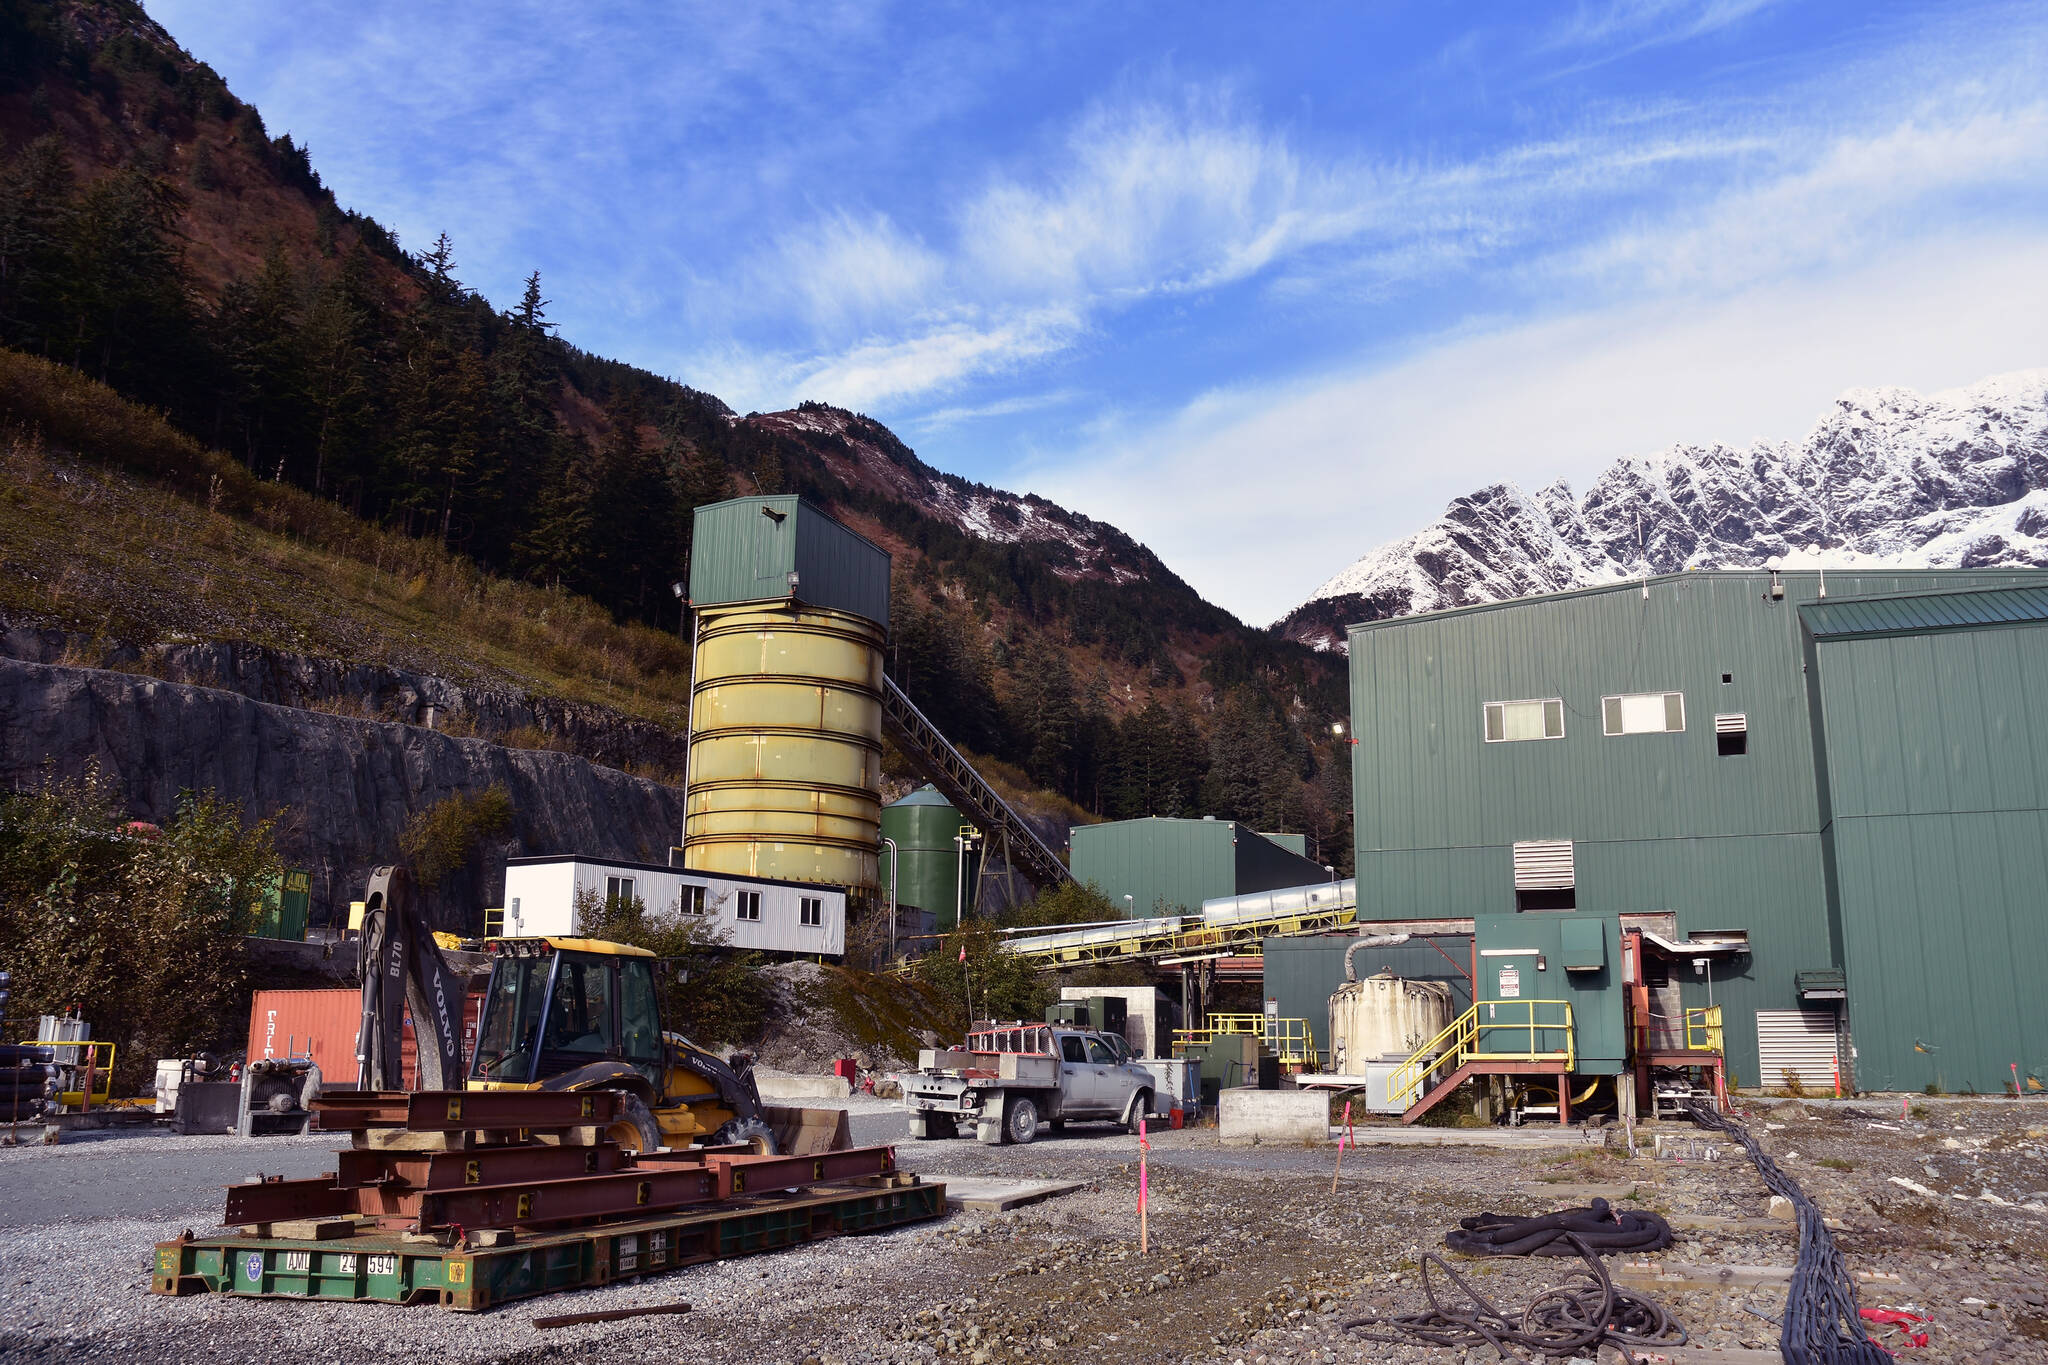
{"points": [[1169, 866], [930, 873], [746, 549], [1856, 790]]}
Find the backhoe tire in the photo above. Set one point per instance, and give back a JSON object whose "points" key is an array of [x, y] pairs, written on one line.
{"points": [[1020, 1119], [756, 1134], [633, 1126]]}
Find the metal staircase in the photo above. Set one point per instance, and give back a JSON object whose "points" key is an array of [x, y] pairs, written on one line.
{"points": [[1481, 1042], [1008, 837]]}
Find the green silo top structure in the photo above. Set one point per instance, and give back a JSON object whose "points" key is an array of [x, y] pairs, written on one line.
{"points": [[747, 549], [929, 873]]}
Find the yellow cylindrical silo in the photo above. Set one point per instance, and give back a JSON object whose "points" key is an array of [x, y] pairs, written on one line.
{"points": [[786, 744]]}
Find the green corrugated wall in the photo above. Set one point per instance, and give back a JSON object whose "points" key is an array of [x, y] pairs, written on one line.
{"points": [[1170, 866], [1937, 762], [740, 554], [1659, 822]]}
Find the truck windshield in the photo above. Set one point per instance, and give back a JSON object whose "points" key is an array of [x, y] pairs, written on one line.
{"points": [[511, 1019]]}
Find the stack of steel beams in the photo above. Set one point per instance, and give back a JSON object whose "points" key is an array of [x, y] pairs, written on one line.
{"points": [[473, 1198]]}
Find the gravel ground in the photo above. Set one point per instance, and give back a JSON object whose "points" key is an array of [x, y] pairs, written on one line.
{"points": [[1252, 1258]]}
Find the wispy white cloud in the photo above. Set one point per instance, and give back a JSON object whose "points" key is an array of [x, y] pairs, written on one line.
{"points": [[942, 419], [1371, 452]]}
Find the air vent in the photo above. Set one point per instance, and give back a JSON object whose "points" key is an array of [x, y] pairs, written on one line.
{"points": [[1733, 724], [1544, 865]]}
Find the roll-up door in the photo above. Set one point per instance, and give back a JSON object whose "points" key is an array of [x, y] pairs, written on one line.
{"points": [[1798, 1043]]}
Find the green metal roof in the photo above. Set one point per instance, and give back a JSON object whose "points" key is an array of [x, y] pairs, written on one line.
{"points": [[927, 795], [1919, 612]]}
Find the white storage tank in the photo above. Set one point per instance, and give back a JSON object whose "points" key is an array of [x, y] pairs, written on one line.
{"points": [[1385, 1017]]}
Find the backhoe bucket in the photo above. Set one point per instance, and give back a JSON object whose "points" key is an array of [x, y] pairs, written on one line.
{"points": [[807, 1132]]}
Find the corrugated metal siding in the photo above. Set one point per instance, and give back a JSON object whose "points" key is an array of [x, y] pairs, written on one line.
{"points": [[1926, 611], [1799, 1044], [737, 554], [1165, 866], [1263, 865], [1937, 756]]}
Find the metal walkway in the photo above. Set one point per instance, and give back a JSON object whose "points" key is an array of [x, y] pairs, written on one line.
{"points": [[1173, 937], [1008, 837]]}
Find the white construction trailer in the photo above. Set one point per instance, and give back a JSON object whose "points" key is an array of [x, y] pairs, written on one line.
{"points": [[805, 919]]}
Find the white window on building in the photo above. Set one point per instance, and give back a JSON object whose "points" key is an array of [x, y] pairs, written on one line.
{"points": [[1546, 875], [1542, 718], [749, 905], [618, 890], [810, 912], [1644, 713], [692, 899]]}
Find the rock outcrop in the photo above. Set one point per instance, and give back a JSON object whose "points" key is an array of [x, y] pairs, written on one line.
{"points": [[341, 788]]}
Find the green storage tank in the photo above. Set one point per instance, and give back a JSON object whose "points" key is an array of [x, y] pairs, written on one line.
{"points": [[928, 872]]}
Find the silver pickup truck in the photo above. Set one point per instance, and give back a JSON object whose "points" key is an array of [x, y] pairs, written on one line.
{"points": [[1007, 1079]]}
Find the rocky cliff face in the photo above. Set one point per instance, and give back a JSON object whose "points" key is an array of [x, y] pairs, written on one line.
{"points": [[372, 692], [342, 788], [1887, 479]]}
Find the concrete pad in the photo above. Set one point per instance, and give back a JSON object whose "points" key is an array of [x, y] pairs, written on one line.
{"points": [[1293, 1117], [803, 1087], [981, 1195]]}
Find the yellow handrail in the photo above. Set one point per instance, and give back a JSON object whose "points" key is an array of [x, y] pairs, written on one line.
{"points": [[1461, 1040], [1291, 1040], [102, 1071], [1703, 1032]]}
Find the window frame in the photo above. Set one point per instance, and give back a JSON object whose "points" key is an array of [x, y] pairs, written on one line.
{"points": [[810, 912], [694, 899], [1545, 702], [619, 890], [747, 906], [1665, 695]]}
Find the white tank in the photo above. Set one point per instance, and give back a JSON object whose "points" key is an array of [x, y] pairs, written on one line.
{"points": [[1382, 1017]]}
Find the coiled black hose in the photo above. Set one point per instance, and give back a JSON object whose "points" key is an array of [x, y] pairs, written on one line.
{"points": [[1821, 1326], [1598, 1227], [1577, 1317]]}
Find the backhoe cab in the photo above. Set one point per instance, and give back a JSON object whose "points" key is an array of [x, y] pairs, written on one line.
{"points": [[584, 1014]]}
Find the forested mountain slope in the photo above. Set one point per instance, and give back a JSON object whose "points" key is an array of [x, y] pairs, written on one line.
{"points": [[155, 236]]}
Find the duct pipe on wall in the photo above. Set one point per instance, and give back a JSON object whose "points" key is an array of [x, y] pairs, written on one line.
{"points": [[1368, 941]]}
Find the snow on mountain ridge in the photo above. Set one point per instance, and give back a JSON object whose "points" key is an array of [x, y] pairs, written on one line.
{"points": [[1887, 477]]}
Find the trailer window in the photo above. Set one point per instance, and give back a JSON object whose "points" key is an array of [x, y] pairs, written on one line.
{"points": [[749, 906], [811, 912]]}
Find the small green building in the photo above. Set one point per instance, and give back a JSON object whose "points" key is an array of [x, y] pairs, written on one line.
{"points": [[777, 547], [1169, 867], [1848, 779], [930, 870]]}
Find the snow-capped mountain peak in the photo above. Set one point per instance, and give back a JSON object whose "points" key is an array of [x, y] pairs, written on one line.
{"points": [[1887, 478]]}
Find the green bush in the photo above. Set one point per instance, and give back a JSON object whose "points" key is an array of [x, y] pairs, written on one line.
{"points": [[140, 930], [440, 839]]}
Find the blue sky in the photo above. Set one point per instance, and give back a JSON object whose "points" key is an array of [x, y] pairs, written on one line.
{"points": [[1263, 285]]}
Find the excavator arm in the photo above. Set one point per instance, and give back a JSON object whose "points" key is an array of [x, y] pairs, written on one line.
{"points": [[403, 968]]}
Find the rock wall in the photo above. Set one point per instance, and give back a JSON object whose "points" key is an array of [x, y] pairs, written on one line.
{"points": [[342, 788], [375, 691]]}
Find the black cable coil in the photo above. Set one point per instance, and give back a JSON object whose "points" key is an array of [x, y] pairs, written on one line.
{"points": [[1598, 1227], [1822, 1326], [1577, 1317]]}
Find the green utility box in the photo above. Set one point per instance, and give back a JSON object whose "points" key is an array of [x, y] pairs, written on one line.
{"points": [[278, 910], [1103, 1013], [1531, 966], [1228, 1059]]}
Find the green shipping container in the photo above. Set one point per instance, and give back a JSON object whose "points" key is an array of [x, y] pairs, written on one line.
{"points": [[929, 871], [279, 908], [746, 549]]}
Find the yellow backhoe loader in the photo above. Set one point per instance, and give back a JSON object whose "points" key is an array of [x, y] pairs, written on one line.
{"points": [[564, 1014]]}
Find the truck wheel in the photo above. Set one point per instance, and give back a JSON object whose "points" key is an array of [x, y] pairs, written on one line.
{"points": [[1020, 1119], [756, 1134], [1141, 1106], [633, 1126], [944, 1126]]}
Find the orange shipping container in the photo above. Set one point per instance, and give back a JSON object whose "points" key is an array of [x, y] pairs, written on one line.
{"points": [[322, 1024]]}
